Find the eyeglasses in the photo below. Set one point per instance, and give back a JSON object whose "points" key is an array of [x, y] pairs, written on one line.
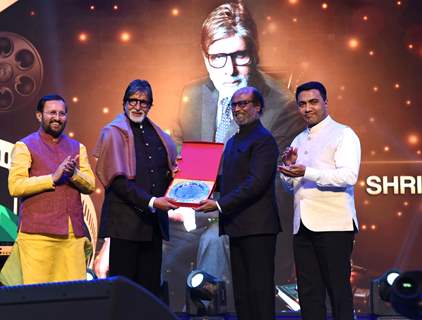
{"points": [[143, 103], [239, 58], [52, 114], [241, 104]]}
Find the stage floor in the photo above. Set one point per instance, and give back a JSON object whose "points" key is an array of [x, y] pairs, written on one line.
{"points": [[284, 316]]}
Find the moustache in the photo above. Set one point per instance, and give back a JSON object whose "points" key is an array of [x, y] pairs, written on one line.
{"points": [[55, 121]]}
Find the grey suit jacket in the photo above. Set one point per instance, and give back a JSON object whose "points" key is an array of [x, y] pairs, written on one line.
{"points": [[198, 111]]}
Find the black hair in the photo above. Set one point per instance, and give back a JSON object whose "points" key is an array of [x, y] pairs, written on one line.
{"points": [[49, 97], [312, 85], [138, 86]]}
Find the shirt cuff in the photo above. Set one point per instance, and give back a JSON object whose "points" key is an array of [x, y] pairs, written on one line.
{"points": [[311, 174], [151, 204], [218, 206]]}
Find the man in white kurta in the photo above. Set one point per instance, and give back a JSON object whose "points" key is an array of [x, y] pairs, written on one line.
{"points": [[321, 167]]}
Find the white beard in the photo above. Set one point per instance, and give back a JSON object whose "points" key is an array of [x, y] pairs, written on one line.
{"points": [[137, 119]]}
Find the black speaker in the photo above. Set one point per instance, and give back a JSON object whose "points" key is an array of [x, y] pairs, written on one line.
{"points": [[113, 298]]}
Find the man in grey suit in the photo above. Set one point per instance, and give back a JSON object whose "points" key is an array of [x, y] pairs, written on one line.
{"points": [[230, 50]]}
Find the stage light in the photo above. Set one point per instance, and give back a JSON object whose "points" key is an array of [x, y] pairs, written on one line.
{"points": [[397, 85], [75, 99], [406, 295], [353, 43], [324, 6], [413, 139], [381, 289], [90, 275], [408, 102], [125, 36], [410, 46], [175, 12], [365, 18], [71, 134], [83, 37], [293, 1], [92, 7], [105, 110], [371, 52], [206, 292], [115, 7]]}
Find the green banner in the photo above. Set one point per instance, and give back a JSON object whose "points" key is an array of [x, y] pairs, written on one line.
{"points": [[8, 224]]}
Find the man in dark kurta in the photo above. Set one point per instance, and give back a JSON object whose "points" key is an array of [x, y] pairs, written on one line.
{"points": [[248, 208], [136, 160]]}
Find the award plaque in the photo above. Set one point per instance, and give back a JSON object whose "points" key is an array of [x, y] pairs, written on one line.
{"points": [[197, 174]]}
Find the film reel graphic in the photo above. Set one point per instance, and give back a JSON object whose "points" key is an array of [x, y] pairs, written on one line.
{"points": [[21, 71]]}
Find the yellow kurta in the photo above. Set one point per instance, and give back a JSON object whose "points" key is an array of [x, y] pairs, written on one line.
{"points": [[48, 258], [42, 257]]}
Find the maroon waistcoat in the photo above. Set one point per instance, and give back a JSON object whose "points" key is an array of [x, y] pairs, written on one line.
{"points": [[48, 212]]}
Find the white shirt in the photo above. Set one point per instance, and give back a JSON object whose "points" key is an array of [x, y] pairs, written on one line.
{"points": [[324, 196], [220, 110]]}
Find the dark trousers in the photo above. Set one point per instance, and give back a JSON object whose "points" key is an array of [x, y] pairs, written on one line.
{"points": [[252, 264], [138, 261], [323, 265]]}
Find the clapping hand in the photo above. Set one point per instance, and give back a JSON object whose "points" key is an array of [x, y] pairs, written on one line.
{"points": [[66, 168], [289, 156]]}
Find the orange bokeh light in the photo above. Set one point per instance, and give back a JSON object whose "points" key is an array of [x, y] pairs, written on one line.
{"points": [[125, 36], [83, 37], [413, 139], [353, 43]]}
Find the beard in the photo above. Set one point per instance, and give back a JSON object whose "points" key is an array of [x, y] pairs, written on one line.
{"points": [[54, 128], [136, 118]]}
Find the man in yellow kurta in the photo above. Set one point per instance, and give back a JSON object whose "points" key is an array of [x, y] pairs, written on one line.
{"points": [[48, 172]]}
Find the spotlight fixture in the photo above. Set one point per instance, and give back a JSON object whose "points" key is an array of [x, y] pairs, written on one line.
{"points": [[406, 295], [381, 289], [206, 293], [90, 275]]}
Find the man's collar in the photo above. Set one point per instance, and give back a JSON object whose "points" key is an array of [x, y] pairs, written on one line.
{"points": [[320, 125], [48, 137], [245, 129]]}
